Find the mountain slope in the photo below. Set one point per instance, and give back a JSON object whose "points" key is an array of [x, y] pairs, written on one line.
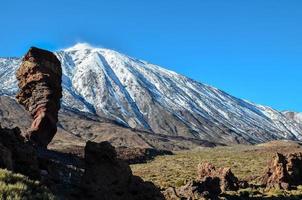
{"points": [[75, 128], [147, 97], [294, 116]]}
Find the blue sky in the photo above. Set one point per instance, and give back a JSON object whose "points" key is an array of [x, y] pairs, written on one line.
{"points": [[252, 49]]}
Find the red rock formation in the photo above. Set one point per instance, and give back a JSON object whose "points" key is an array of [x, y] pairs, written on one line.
{"points": [[210, 182], [40, 77], [228, 181], [284, 171]]}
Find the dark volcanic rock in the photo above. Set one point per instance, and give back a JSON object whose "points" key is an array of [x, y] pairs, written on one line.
{"points": [[16, 155], [208, 188], [108, 178], [61, 172], [40, 77], [228, 181], [284, 171]]}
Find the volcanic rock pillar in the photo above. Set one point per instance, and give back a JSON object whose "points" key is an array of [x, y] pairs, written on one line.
{"points": [[40, 77]]}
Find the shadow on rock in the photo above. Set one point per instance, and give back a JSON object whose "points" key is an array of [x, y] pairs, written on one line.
{"points": [[16, 154], [109, 178]]}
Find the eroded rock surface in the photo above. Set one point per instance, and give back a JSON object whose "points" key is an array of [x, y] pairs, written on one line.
{"points": [[209, 183], [40, 77], [228, 181], [107, 177], [284, 171]]}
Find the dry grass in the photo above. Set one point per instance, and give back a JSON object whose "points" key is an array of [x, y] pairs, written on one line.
{"points": [[246, 162], [16, 186]]}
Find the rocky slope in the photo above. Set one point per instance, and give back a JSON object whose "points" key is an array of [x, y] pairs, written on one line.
{"points": [[146, 97], [75, 128]]}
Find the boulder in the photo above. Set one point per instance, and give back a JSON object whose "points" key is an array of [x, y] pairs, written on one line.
{"points": [[228, 181], [108, 178], [208, 188], [6, 158], [40, 77], [284, 171], [210, 182], [17, 155]]}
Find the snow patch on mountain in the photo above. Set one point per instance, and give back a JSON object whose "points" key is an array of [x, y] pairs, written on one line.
{"points": [[296, 116]]}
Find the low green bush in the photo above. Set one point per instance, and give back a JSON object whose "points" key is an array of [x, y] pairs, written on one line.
{"points": [[18, 187]]}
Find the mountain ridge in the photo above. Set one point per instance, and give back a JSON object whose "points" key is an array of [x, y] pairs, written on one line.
{"points": [[147, 97]]}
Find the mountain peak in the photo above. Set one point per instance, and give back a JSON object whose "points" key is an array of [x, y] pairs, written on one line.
{"points": [[81, 46]]}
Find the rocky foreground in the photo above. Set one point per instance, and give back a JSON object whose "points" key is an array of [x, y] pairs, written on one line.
{"points": [[100, 174]]}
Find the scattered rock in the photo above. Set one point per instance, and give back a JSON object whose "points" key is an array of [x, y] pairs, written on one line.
{"points": [[40, 77], [210, 182], [17, 155], [242, 184], [208, 188], [110, 178], [284, 171], [228, 181]]}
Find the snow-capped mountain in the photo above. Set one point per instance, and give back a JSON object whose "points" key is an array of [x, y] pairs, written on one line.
{"points": [[296, 116], [147, 97]]}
